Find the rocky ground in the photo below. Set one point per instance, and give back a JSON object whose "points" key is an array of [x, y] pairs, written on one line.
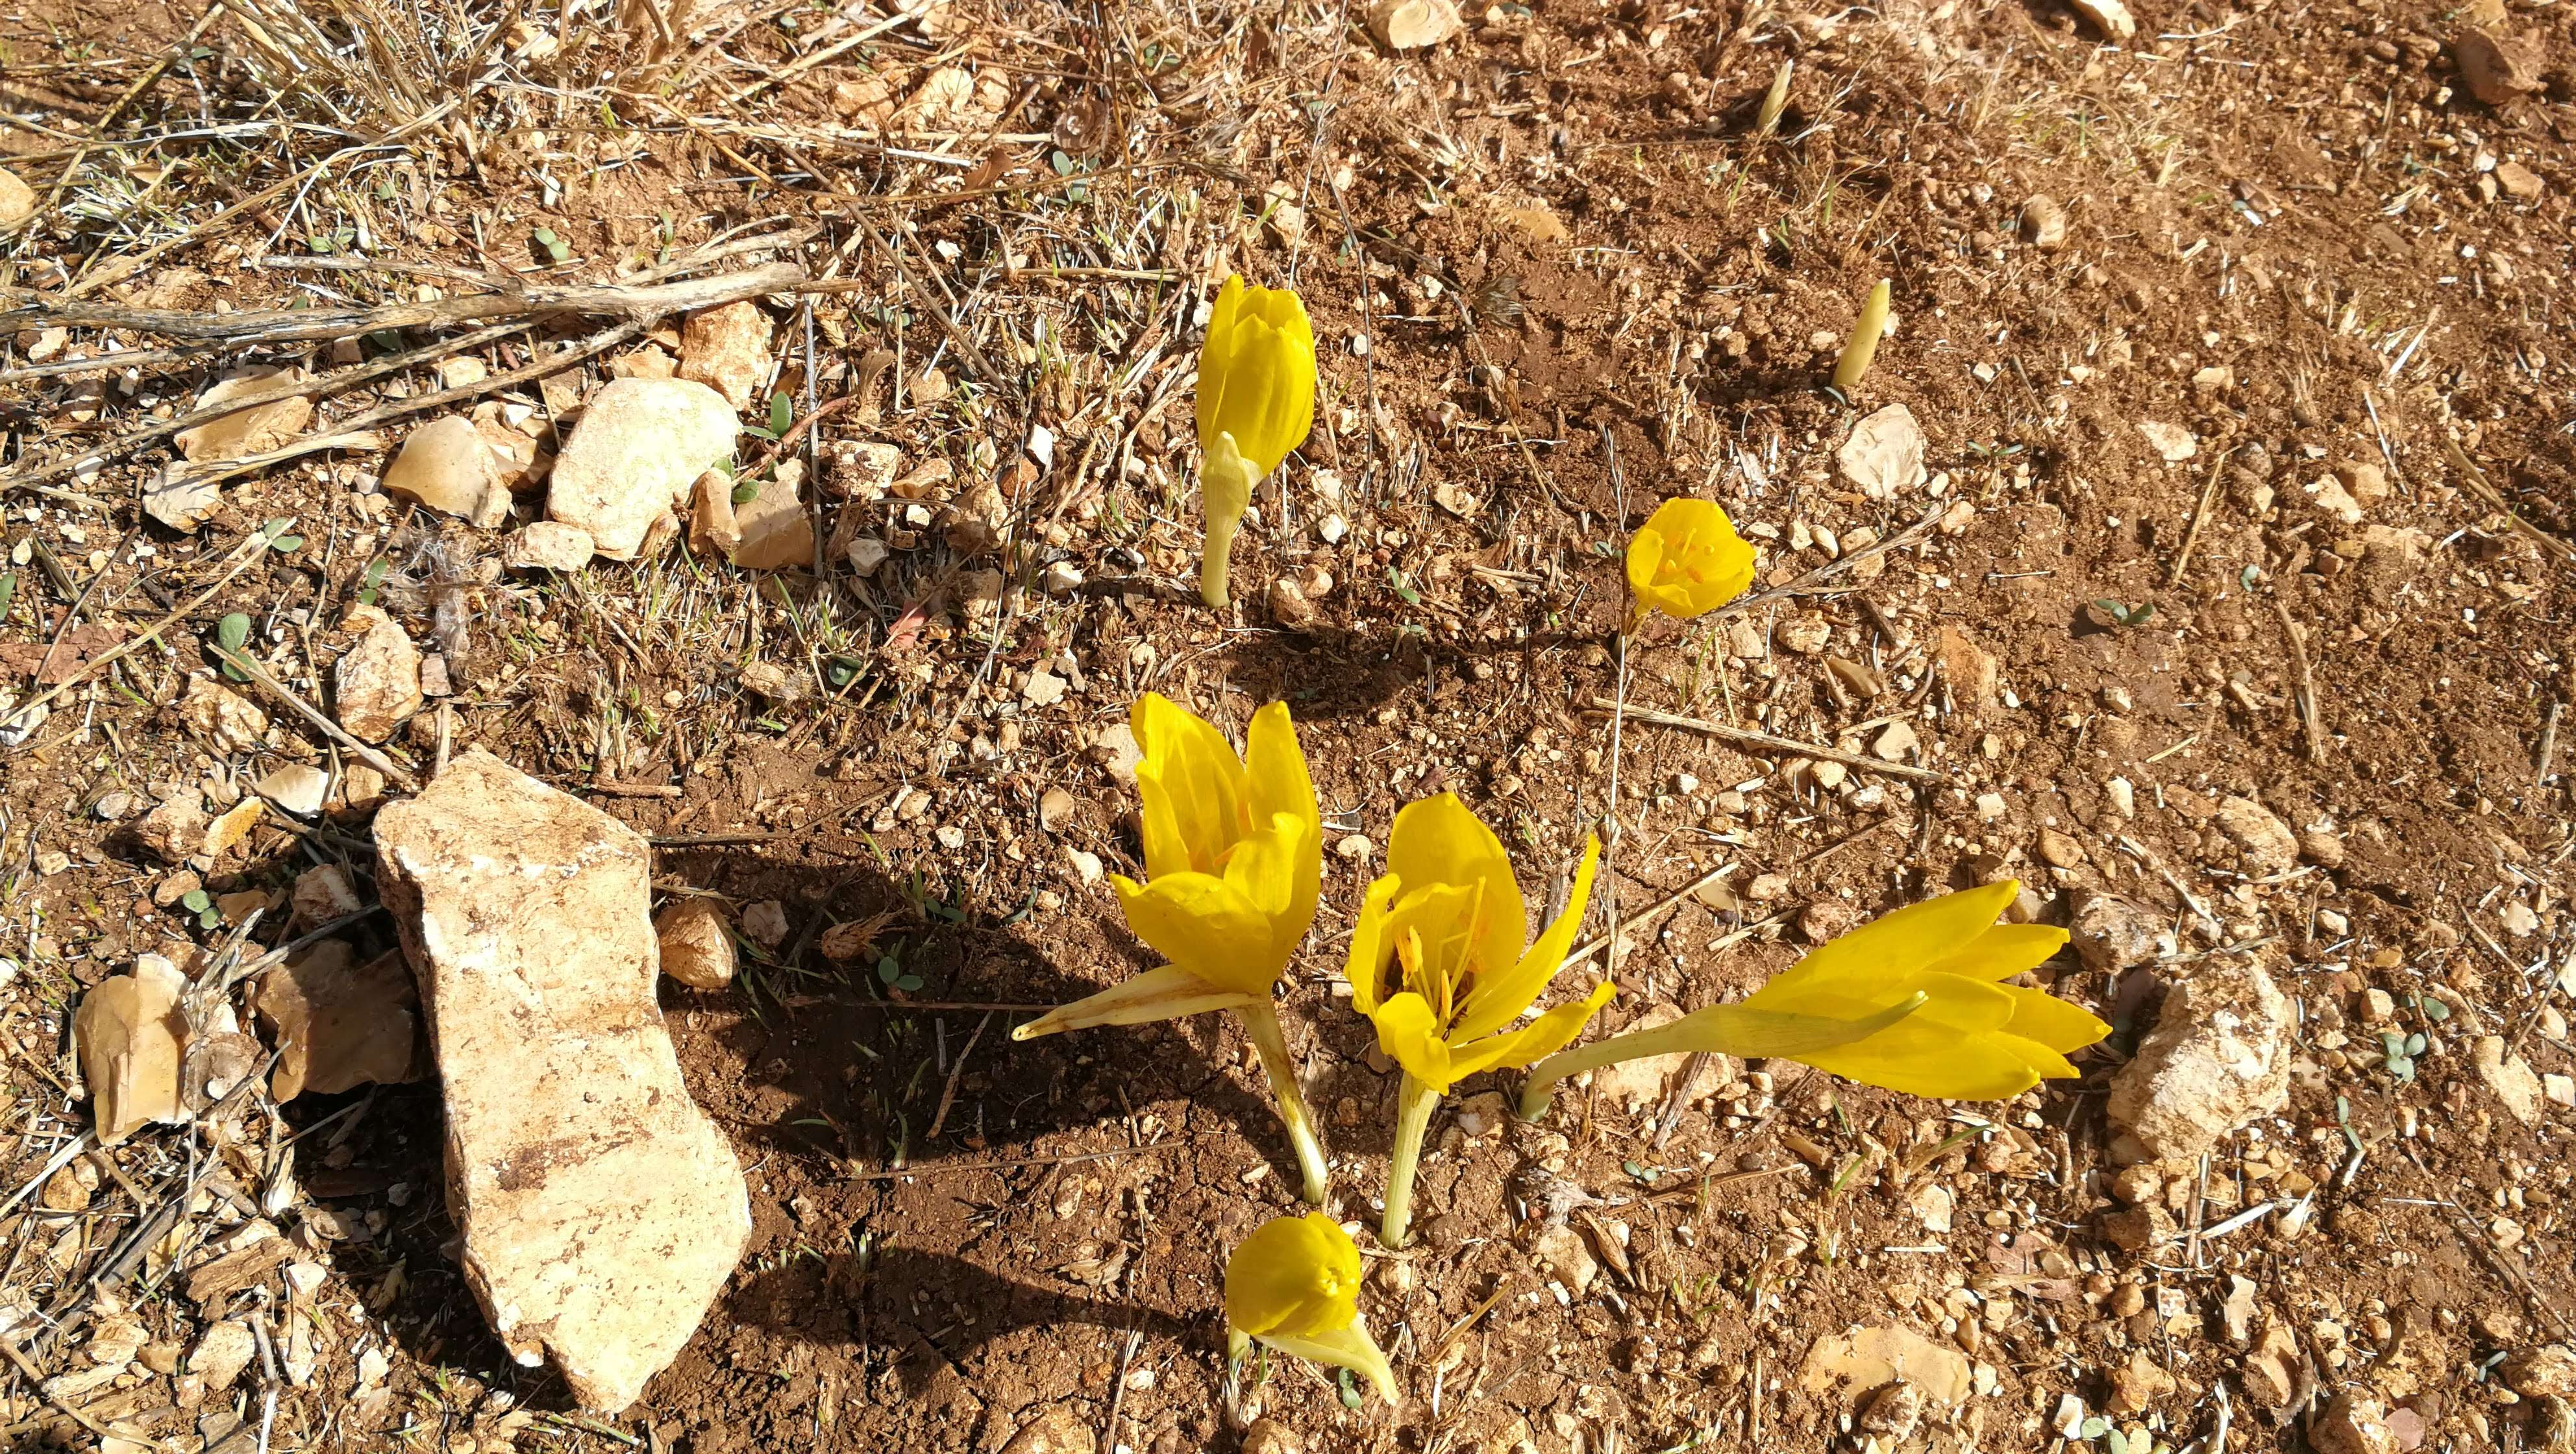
{"points": [[511, 934]]}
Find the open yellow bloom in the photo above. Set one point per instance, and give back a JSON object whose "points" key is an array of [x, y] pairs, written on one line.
{"points": [[1687, 560], [1436, 961], [1294, 1284], [1256, 402], [1912, 1001], [1234, 855]]}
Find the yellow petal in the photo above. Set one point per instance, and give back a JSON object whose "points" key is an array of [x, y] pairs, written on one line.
{"points": [[1157, 994], [2052, 1022], [1968, 1006], [1922, 1058], [1371, 946], [1264, 870], [1496, 1000], [1293, 1277], [1874, 964], [1437, 840], [1280, 785], [1410, 1037], [1645, 554], [1191, 784], [1204, 925], [2002, 952], [1751, 1034], [1534, 1041], [1350, 1348], [1216, 358]]}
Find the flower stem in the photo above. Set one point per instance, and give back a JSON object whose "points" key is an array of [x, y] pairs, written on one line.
{"points": [[1413, 1107], [1667, 1039], [1212, 565], [1261, 1022]]}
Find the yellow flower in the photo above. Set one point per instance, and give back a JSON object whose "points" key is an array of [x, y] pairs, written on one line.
{"points": [[1687, 560], [1912, 1001], [1294, 1284], [1436, 961], [1234, 855], [1257, 374], [1293, 1275], [1436, 958], [1256, 401]]}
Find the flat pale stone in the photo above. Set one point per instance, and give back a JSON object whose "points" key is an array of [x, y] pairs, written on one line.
{"points": [[601, 1211], [776, 532], [727, 349], [245, 432], [297, 787], [1884, 455], [447, 465], [129, 1034], [17, 199], [338, 1023], [637, 449], [547, 545], [377, 682]]}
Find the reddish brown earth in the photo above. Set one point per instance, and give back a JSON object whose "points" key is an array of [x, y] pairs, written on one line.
{"points": [[2292, 235]]}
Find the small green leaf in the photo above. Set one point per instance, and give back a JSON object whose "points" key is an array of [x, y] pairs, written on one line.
{"points": [[2401, 1067], [1351, 1398], [2247, 577], [746, 492], [889, 969], [2435, 1010], [909, 983], [195, 901], [287, 544], [2094, 1427], [2414, 1045], [840, 671], [210, 919], [8, 593], [782, 414]]}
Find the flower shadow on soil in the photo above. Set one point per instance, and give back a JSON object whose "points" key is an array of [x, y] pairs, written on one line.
{"points": [[819, 1083]]}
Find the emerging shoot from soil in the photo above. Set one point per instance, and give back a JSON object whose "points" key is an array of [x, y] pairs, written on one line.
{"points": [[1234, 857], [1436, 961], [1863, 344], [1294, 1285], [1256, 401], [1912, 1001]]}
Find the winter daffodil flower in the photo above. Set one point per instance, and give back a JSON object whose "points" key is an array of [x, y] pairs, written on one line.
{"points": [[1913, 1001], [1436, 961], [1234, 854], [1687, 560], [1256, 401], [1294, 1284]]}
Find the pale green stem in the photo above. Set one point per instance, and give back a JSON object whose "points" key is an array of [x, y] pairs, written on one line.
{"points": [[1261, 1022], [1226, 481], [1220, 545], [1668, 1039], [1413, 1106]]}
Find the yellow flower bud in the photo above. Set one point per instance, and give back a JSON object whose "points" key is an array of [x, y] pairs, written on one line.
{"points": [[1294, 1275], [1294, 1284], [1257, 374], [1256, 402]]}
